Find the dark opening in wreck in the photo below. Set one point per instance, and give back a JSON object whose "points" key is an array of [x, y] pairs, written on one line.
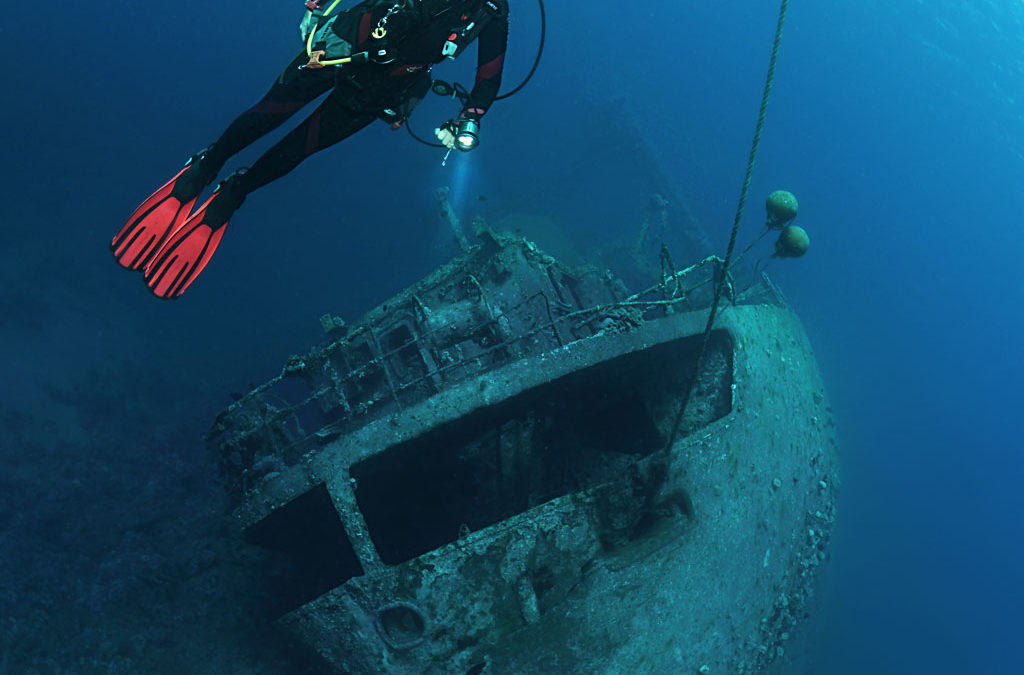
{"points": [[577, 432], [309, 533]]}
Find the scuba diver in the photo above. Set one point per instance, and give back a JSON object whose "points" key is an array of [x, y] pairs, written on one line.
{"points": [[375, 58]]}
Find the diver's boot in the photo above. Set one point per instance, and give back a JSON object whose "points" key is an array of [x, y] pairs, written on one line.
{"points": [[199, 172]]}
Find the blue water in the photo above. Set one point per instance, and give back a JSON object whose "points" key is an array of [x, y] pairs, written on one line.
{"points": [[897, 124]]}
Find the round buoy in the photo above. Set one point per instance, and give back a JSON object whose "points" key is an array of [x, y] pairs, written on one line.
{"points": [[793, 242], [782, 207]]}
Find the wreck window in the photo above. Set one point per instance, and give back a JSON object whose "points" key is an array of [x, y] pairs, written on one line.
{"points": [[303, 415], [579, 431], [319, 554], [367, 381]]}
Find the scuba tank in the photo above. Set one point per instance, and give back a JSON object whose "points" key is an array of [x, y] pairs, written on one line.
{"points": [[330, 37]]}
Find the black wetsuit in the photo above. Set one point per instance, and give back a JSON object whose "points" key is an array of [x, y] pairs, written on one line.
{"points": [[364, 92]]}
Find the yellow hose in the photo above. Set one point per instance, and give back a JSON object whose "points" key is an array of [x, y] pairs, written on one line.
{"points": [[312, 33]]}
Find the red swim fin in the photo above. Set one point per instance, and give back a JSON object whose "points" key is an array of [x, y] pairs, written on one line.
{"points": [[151, 225], [180, 260]]}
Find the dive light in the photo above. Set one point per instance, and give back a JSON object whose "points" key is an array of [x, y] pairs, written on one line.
{"points": [[467, 134]]}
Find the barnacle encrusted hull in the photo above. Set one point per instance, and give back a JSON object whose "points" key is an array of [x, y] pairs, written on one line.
{"points": [[478, 477]]}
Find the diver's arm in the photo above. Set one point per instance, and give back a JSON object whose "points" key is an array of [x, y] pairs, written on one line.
{"points": [[491, 47]]}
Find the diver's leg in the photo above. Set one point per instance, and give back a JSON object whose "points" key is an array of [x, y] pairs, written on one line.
{"points": [[187, 252], [292, 90], [160, 216], [333, 121]]}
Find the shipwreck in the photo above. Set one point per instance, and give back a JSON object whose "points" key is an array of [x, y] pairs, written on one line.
{"points": [[490, 473]]}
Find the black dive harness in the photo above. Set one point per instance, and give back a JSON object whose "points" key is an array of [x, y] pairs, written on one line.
{"points": [[325, 45], [330, 39]]}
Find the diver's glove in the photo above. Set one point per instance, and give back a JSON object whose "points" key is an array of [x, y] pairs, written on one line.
{"points": [[446, 134], [462, 134]]}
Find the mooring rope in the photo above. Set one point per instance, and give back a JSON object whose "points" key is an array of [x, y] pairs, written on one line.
{"points": [[698, 364]]}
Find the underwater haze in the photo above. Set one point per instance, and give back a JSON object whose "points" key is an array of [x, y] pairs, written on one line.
{"points": [[898, 125]]}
